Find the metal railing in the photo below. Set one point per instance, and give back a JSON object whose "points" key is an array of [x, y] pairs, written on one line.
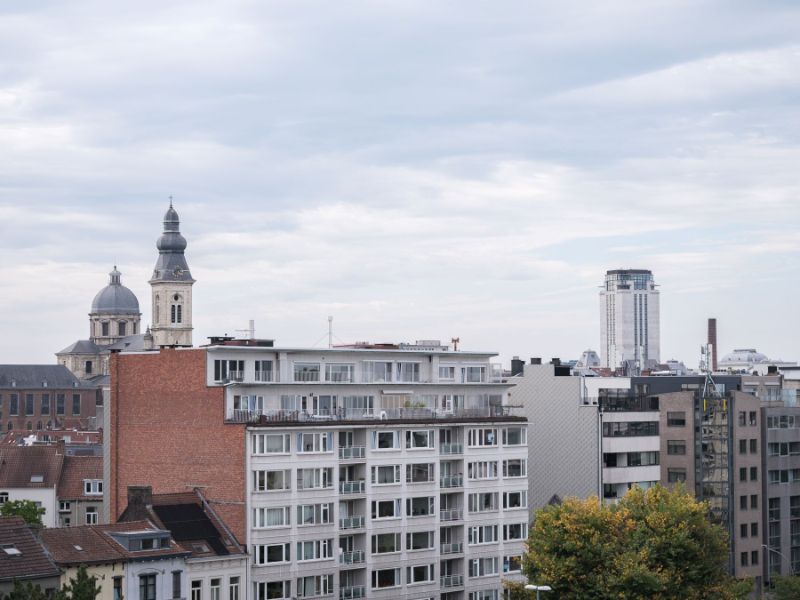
{"points": [[352, 487], [354, 522], [456, 548], [346, 452], [353, 591], [352, 558], [455, 514], [449, 581], [306, 376], [264, 376], [451, 481], [235, 376], [451, 449]]}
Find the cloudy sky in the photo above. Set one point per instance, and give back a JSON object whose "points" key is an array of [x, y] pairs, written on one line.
{"points": [[417, 169]]}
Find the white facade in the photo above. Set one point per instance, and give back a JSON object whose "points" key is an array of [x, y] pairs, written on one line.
{"points": [[629, 319], [216, 577], [162, 571], [377, 473], [43, 497]]}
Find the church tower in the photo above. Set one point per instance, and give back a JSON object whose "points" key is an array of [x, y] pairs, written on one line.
{"points": [[171, 286]]}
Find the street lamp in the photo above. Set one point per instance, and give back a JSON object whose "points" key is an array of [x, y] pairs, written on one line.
{"points": [[768, 549], [538, 588]]}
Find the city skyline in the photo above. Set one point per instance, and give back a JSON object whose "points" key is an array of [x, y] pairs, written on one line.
{"points": [[414, 171]]}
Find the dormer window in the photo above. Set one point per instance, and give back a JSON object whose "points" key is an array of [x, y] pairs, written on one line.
{"points": [[93, 487]]}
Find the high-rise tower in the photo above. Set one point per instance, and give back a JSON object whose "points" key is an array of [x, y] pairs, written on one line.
{"points": [[629, 319], [171, 286]]}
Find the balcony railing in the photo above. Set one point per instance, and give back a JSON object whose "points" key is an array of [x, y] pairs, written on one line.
{"points": [[353, 591], [352, 558], [235, 375], [347, 452], [455, 514], [264, 376], [351, 487], [354, 522], [451, 481], [306, 376], [451, 449], [449, 581], [347, 414], [456, 548]]}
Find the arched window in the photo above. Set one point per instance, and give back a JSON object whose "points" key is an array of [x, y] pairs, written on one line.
{"points": [[122, 327], [176, 310]]}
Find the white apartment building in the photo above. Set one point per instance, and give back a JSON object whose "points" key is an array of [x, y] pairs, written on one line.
{"points": [[629, 319], [377, 471]]}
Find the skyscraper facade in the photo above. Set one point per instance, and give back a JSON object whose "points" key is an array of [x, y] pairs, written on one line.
{"points": [[629, 319]]}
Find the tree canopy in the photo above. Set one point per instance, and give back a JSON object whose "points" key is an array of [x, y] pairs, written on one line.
{"points": [[656, 544], [27, 509], [80, 587]]}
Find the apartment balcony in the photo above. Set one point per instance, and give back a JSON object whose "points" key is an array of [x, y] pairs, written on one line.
{"points": [[235, 376], [451, 581], [353, 591], [352, 558], [268, 416], [451, 515], [457, 548], [452, 481], [351, 452], [264, 376], [451, 449], [306, 377], [354, 522], [352, 487]]}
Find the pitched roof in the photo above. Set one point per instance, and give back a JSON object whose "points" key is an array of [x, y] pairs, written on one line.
{"points": [[30, 467], [81, 347], [33, 376], [76, 470], [27, 558]]}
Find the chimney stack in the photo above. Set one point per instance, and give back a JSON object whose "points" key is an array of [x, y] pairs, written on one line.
{"points": [[517, 366], [712, 341], [139, 498]]}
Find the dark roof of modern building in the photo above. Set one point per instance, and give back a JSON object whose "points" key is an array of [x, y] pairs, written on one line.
{"points": [[37, 376], [30, 466], [115, 298], [77, 469], [81, 347], [92, 544], [22, 556]]}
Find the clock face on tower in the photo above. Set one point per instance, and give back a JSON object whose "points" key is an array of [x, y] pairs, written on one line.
{"points": [[178, 272]]}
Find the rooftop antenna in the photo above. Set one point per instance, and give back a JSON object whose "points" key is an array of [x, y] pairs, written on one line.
{"points": [[250, 331], [455, 342], [170, 200], [330, 331]]}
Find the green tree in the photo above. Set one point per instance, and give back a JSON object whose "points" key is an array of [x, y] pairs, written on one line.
{"points": [[25, 591], [655, 544], [26, 509], [81, 587], [786, 588]]}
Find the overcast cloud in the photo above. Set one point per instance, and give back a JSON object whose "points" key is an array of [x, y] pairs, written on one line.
{"points": [[417, 169]]}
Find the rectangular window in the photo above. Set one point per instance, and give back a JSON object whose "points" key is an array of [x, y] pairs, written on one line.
{"points": [[754, 501], [13, 405], [272, 517], [93, 487], [419, 439], [272, 481], [484, 595], [447, 373], [64, 506], [485, 469], [742, 418], [419, 473], [744, 559], [274, 590], [386, 509], [45, 404], [420, 540], [314, 442], [29, 404], [753, 446], [76, 405], [515, 531], [264, 554], [742, 473], [60, 404], [91, 515], [315, 550], [215, 584], [385, 440], [515, 436], [743, 529], [676, 447], [513, 500], [514, 467], [742, 446], [483, 502], [482, 437], [306, 371], [407, 372], [385, 474], [314, 585], [676, 475], [419, 574], [147, 587], [228, 370], [483, 534], [314, 479], [512, 564], [176, 584], [483, 567], [385, 543], [753, 473], [117, 591], [315, 514], [263, 370], [742, 502], [676, 419], [271, 443], [753, 529], [385, 578], [233, 588], [376, 372], [752, 419], [420, 507], [339, 373]]}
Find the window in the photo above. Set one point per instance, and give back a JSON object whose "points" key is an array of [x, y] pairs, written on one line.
{"points": [[743, 529], [117, 590], [742, 473], [407, 372], [482, 567], [676, 475], [272, 481], [483, 502], [60, 402], [28, 404], [314, 479], [676, 419], [514, 467], [753, 446], [512, 564], [264, 554], [176, 311], [225, 370], [197, 590], [753, 529], [176, 585], [744, 559], [419, 574], [272, 517], [385, 543], [484, 595], [314, 585], [76, 404], [742, 446], [93, 487], [676, 447], [104, 328], [91, 515], [483, 534], [419, 473], [742, 502], [515, 436], [385, 474], [271, 443], [482, 437], [147, 587], [419, 439], [45, 407], [385, 440], [420, 540], [420, 507], [64, 506], [752, 420], [233, 588], [385, 578], [376, 372], [273, 590], [315, 550], [215, 584], [515, 531], [339, 373], [386, 509], [306, 371], [447, 373], [754, 501], [315, 514], [485, 469], [13, 405], [753, 473], [263, 370], [515, 500], [314, 442]]}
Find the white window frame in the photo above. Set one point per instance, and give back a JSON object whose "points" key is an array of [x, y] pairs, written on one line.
{"points": [[263, 441], [429, 574], [480, 535], [397, 509], [375, 470], [410, 437], [261, 517], [322, 514], [507, 529], [482, 470], [430, 535], [261, 554], [91, 515], [410, 472], [431, 504], [523, 498], [322, 478], [331, 376], [261, 480], [260, 589], [523, 464], [483, 567], [314, 442], [374, 579], [482, 437], [93, 487], [523, 436], [377, 537], [314, 550], [376, 435]]}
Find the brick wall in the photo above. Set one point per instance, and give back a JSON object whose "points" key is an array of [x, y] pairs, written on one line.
{"points": [[167, 431]]}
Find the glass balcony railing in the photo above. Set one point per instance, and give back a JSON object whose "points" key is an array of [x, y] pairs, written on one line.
{"points": [[352, 558], [455, 514], [451, 481], [353, 591], [449, 581], [456, 548], [351, 487], [349, 452], [354, 522], [451, 449]]}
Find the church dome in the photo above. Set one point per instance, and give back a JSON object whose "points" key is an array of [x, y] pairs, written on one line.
{"points": [[743, 356], [171, 240], [115, 298]]}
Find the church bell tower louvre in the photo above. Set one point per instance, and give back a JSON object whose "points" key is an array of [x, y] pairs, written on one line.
{"points": [[171, 286]]}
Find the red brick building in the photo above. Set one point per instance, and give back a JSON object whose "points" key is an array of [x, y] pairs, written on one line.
{"points": [[166, 429]]}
